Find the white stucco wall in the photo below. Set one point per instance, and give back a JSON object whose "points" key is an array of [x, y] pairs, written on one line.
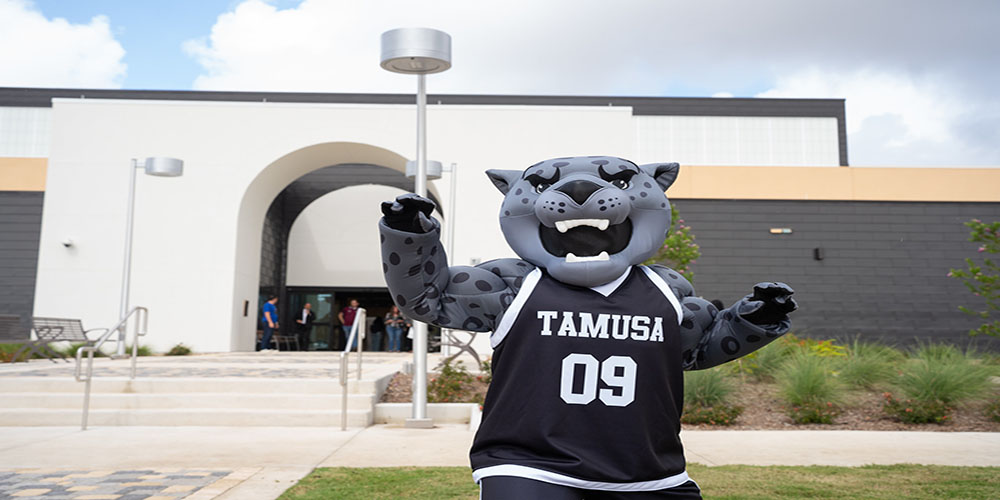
{"points": [[335, 240], [197, 237], [738, 140]]}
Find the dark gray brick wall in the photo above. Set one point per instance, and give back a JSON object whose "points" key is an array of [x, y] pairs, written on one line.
{"points": [[20, 230], [884, 271]]}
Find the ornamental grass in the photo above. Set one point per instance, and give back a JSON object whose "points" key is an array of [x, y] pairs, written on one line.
{"points": [[868, 365], [931, 385], [707, 395], [812, 395]]}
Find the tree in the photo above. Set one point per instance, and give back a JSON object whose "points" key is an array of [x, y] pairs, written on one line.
{"points": [[679, 251], [983, 279]]}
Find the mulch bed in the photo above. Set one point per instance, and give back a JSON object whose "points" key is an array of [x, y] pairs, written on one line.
{"points": [[762, 410]]}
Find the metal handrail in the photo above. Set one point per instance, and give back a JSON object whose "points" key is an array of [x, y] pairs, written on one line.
{"points": [[357, 330], [141, 327]]}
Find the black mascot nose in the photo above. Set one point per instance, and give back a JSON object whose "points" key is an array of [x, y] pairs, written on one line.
{"points": [[579, 190]]}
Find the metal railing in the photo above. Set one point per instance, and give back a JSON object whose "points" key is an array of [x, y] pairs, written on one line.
{"points": [[357, 332], [141, 324]]}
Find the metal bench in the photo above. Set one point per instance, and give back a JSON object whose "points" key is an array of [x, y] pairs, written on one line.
{"points": [[448, 338], [49, 330]]}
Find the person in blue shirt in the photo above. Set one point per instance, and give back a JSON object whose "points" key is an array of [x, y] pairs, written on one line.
{"points": [[269, 321]]}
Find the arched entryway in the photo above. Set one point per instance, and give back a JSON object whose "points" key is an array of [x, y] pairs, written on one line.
{"points": [[259, 197]]}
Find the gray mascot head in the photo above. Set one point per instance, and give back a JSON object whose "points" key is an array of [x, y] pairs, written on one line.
{"points": [[585, 219]]}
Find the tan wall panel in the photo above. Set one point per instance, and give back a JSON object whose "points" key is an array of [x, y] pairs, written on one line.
{"points": [[837, 183], [926, 184], [23, 174], [737, 183]]}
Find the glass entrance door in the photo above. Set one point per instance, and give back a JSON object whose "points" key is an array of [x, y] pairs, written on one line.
{"points": [[326, 334], [319, 336]]}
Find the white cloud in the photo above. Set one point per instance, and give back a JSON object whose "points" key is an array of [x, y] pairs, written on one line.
{"points": [[918, 92], [511, 46], [894, 118], [40, 52]]}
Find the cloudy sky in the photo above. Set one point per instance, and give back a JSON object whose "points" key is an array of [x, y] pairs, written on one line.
{"points": [[921, 78]]}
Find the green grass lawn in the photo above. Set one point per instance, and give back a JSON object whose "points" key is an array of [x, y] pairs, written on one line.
{"points": [[724, 482]]}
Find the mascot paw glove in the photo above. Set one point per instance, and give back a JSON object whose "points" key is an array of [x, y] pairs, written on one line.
{"points": [[769, 304], [410, 213]]}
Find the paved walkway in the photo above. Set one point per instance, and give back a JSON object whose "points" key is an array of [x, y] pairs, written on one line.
{"points": [[261, 462], [258, 463]]}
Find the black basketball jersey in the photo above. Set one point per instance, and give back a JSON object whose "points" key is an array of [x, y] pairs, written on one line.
{"points": [[587, 389]]}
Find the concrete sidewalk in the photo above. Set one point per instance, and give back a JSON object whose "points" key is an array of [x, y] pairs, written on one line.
{"points": [[261, 462]]}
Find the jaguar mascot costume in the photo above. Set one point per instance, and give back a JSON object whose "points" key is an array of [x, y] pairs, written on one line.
{"points": [[589, 344]]}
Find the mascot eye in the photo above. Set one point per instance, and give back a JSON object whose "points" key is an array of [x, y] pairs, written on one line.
{"points": [[620, 183], [542, 183]]}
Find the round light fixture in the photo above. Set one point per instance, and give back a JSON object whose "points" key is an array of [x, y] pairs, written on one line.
{"points": [[416, 51]]}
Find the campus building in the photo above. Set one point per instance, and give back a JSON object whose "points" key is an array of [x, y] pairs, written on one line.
{"points": [[280, 194]]}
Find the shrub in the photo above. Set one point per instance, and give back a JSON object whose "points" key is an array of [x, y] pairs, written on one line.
{"points": [[711, 415], [809, 390], [449, 386], [70, 351], [706, 395], [916, 412], [933, 384], [993, 410], [949, 382], [983, 279], [679, 251], [486, 369], [822, 348], [179, 350], [7, 352], [141, 351], [813, 413]]}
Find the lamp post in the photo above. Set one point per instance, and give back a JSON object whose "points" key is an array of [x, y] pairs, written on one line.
{"points": [[159, 167], [418, 51]]}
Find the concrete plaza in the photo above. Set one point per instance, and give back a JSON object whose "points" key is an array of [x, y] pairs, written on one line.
{"points": [[260, 462]]}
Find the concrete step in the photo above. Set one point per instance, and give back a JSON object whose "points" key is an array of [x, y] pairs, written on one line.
{"points": [[446, 413], [186, 417], [188, 385], [194, 400]]}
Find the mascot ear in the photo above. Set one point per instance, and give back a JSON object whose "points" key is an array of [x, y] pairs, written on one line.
{"points": [[664, 173], [503, 179]]}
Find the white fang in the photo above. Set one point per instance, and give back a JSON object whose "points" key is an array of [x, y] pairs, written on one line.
{"points": [[601, 256], [566, 225]]}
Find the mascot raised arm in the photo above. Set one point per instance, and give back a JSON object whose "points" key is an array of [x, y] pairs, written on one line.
{"points": [[589, 344]]}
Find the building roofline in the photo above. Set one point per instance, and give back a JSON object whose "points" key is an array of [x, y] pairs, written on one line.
{"points": [[641, 106]]}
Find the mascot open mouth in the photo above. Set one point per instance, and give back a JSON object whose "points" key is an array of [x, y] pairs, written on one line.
{"points": [[584, 240]]}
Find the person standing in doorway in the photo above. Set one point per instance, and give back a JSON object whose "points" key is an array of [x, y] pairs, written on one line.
{"points": [[377, 331], [395, 323], [269, 322], [305, 322], [346, 317]]}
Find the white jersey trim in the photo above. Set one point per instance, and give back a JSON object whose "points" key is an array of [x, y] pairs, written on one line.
{"points": [[665, 288], [553, 478], [610, 287], [510, 315]]}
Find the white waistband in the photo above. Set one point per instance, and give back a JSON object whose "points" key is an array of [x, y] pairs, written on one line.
{"points": [[552, 477]]}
